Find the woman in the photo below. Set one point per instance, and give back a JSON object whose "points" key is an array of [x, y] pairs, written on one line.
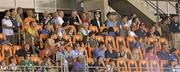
{"points": [[84, 19], [100, 63]]}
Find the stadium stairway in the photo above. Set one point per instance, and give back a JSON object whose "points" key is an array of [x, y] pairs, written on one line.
{"points": [[140, 7]]}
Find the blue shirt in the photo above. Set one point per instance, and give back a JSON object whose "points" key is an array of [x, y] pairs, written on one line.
{"points": [[45, 31], [98, 52], [110, 24]]}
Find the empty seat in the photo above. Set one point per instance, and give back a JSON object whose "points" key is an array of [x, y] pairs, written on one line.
{"points": [[132, 66], [120, 43], [110, 40], [121, 65], [154, 66], [144, 66], [93, 29], [77, 38]]}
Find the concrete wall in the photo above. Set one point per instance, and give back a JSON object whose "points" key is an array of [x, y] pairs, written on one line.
{"points": [[90, 5]]}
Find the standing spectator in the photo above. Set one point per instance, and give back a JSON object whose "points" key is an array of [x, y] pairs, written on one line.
{"points": [[140, 32], [16, 25], [130, 20], [45, 19], [123, 21], [74, 19], [111, 22], [84, 19], [97, 20], [29, 18], [59, 19], [19, 16], [7, 26]]}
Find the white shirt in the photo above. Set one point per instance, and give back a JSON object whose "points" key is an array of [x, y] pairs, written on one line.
{"points": [[132, 34], [7, 22], [129, 22], [75, 53], [59, 20], [98, 23]]}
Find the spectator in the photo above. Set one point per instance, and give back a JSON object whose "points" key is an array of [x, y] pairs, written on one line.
{"points": [[27, 62], [112, 66], [12, 65], [123, 21], [59, 19], [76, 52], [110, 53], [99, 51], [24, 51], [19, 16], [31, 30], [79, 66], [130, 20], [97, 20], [7, 26], [3, 66], [45, 19], [140, 32], [29, 18], [74, 19], [84, 19], [164, 53], [111, 22], [151, 54], [100, 63]]}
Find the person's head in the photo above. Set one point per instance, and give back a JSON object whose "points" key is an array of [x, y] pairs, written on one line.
{"points": [[61, 13], [135, 20], [97, 14], [165, 48], [92, 35], [112, 62], [19, 10], [133, 28], [7, 13], [142, 26], [11, 59], [110, 29], [27, 47], [54, 36], [109, 46], [28, 56], [45, 14], [12, 11], [74, 13], [124, 18], [114, 16], [133, 15], [30, 13], [84, 15], [109, 15], [99, 58], [55, 15]]}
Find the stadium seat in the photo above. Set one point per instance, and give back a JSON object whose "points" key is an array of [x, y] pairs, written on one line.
{"points": [[110, 39], [120, 43], [116, 29], [16, 48], [161, 42], [164, 65], [132, 66], [154, 66], [121, 65], [77, 38], [128, 53], [100, 38], [2, 36], [38, 27], [102, 28], [6, 52], [93, 29], [144, 66], [130, 40]]}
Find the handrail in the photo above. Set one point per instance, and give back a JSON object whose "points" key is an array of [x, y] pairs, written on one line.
{"points": [[171, 4]]}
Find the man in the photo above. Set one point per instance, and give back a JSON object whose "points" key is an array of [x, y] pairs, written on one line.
{"points": [[16, 24], [46, 19], [7, 26], [110, 53], [130, 20], [97, 20], [19, 15], [140, 32], [74, 19], [99, 51], [29, 18], [164, 53], [76, 52], [59, 19], [112, 20]]}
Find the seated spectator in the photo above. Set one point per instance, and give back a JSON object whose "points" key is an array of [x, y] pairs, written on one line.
{"points": [[12, 65], [92, 39], [110, 53], [74, 19], [76, 52], [23, 51], [173, 55], [79, 65], [140, 32], [163, 54], [31, 30], [100, 63], [3, 66], [99, 51], [112, 66], [27, 62], [151, 54]]}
